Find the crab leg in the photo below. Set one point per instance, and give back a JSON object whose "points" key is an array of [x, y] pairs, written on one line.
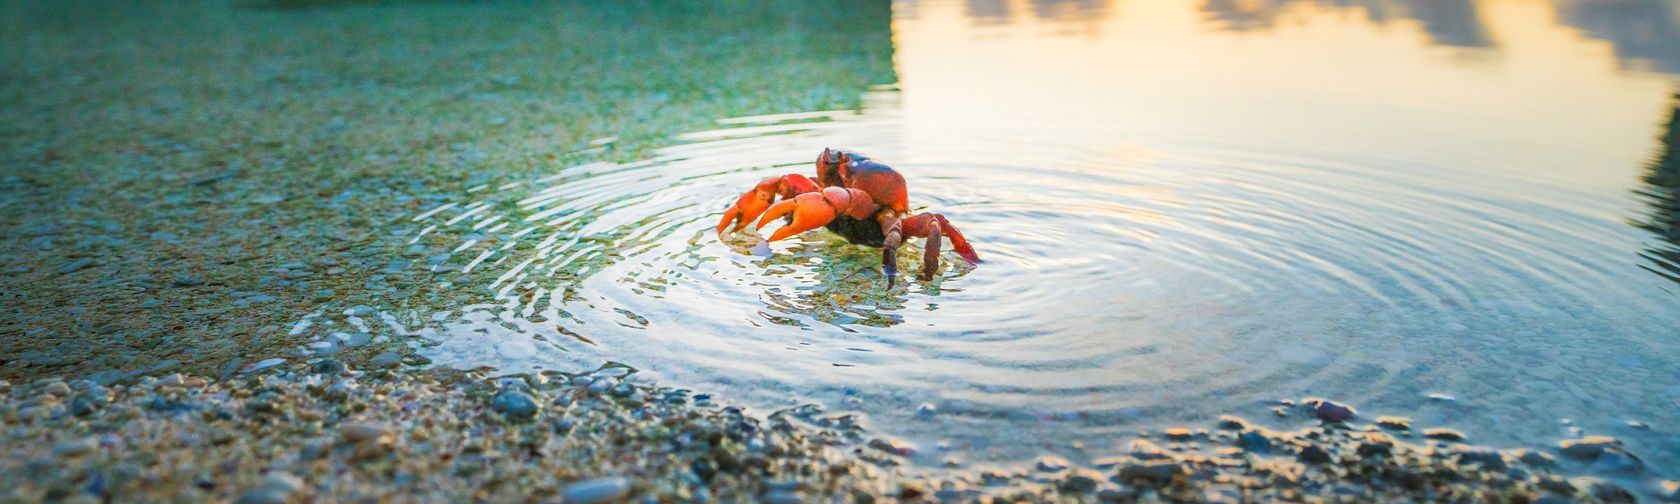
{"points": [[754, 202], [931, 227]]}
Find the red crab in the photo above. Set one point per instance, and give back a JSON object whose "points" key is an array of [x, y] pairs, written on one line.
{"points": [[855, 197]]}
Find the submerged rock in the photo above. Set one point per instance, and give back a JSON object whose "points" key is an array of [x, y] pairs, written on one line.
{"points": [[1586, 448], [596, 491], [1331, 412], [516, 405], [1443, 434]]}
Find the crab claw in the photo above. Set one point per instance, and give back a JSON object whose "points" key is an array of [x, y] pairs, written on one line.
{"points": [[816, 209], [752, 203], [810, 211], [745, 209]]}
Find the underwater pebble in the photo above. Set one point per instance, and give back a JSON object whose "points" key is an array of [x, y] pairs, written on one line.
{"points": [[516, 404], [1589, 447], [1051, 463], [1331, 412], [595, 491], [1443, 434], [261, 365], [1394, 423]]}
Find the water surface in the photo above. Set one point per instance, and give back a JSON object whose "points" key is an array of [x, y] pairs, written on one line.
{"points": [[1184, 210]]}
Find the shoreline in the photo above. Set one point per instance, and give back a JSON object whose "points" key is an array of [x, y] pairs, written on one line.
{"points": [[296, 432]]}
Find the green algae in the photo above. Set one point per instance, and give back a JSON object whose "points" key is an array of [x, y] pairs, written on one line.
{"points": [[184, 179]]}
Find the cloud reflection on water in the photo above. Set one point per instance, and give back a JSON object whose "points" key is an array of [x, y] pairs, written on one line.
{"points": [[1642, 33]]}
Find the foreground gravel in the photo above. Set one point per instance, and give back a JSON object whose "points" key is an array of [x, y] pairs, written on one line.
{"points": [[321, 432]]}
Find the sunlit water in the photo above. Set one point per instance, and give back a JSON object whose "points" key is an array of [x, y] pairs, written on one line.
{"points": [[1184, 211]]}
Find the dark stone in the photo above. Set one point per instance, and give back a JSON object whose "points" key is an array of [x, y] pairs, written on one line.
{"points": [[330, 367], [1443, 434], [1487, 458], [1314, 455], [1156, 473], [1332, 412], [1254, 441]]}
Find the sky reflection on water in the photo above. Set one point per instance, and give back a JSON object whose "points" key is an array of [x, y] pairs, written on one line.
{"points": [[1186, 210]]}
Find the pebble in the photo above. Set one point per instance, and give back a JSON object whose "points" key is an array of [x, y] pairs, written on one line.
{"points": [[1155, 472], [386, 359], [1486, 457], [1228, 422], [1052, 463], [75, 447], [1079, 482], [1394, 423], [329, 367], [1443, 434], [262, 496], [1178, 434], [56, 388], [596, 491], [1332, 412], [1315, 455], [261, 365], [926, 410], [283, 482], [1254, 441], [516, 405], [1586, 448], [359, 432]]}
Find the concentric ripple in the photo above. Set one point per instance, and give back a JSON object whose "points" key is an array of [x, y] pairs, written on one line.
{"points": [[1119, 289], [1160, 246]]}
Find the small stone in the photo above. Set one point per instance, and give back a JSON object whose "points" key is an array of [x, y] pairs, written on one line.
{"points": [[386, 359], [516, 405], [75, 447], [1314, 455], [360, 432], [261, 365], [1535, 458], [1228, 422], [1394, 423], [1142, 449], [329, 367], [1332, 412], [56, 388], [262, 496], [1617, 460], [1052, 463], [892, 446], [84, 405], [1486, 457], [1443, 434], [283, 482], [927, 410], [1177, 434], [1155, 473], [1586, 448], [1638, 425], [1078, 482], [596, 490], [910, 491], [1254, 441]]}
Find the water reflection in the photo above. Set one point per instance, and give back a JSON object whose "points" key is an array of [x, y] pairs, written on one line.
{"points": [[1448, 22], [1662, 192], [1642, 32]]}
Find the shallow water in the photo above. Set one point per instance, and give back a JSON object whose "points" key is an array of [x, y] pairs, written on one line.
{"points": [[1184, 210]]}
